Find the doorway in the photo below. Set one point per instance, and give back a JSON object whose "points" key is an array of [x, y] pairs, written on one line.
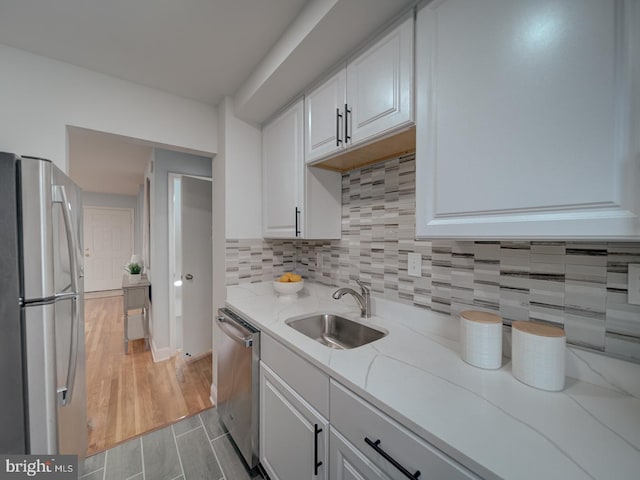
{"points": [[129, 394], [190, 264]]}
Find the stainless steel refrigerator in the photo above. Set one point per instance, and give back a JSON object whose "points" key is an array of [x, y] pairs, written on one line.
{"points": [[42, 353]]}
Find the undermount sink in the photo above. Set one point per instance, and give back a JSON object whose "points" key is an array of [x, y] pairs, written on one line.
{"points": [[335, 331]]}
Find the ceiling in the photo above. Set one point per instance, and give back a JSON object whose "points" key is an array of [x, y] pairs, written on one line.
{"points": [[104, 163], [199, 49], [261, 52]]}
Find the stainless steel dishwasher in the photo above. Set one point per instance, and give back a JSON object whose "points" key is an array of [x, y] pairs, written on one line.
{"points": [[239, 383]]}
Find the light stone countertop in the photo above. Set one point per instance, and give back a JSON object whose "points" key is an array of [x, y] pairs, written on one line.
{"points": [[485, 419]]}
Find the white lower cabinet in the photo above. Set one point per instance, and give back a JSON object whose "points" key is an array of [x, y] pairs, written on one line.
{"points": [[293, 435], [312, 427]]}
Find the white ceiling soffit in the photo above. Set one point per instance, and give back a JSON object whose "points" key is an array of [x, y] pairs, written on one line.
{"points": [[325, 32], [199, 49], [105, 163]]}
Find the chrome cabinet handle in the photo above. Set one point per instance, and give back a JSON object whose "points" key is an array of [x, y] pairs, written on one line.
{"points": [[338, 117]]}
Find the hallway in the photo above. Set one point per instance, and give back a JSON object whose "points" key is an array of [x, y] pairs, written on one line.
{"points": [[128, 395]]}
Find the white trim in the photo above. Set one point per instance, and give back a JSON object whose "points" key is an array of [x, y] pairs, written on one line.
{"points": [[214, 394], [172, 262], [160, 354]]}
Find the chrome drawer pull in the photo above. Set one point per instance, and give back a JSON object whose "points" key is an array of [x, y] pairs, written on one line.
{"points": [[376, 446]]}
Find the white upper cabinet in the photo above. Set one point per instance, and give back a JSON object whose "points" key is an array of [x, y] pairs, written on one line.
{"points": [[282, 171], [368, 98], [380, 86], [528, 119], [325, 117], [298, 201]]}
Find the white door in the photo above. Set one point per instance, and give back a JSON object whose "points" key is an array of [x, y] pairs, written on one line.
{"points": [[380, 85], [197, 270], [108, 243]]}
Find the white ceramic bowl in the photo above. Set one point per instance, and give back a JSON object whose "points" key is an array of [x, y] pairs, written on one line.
{"points": [[288, 289]]}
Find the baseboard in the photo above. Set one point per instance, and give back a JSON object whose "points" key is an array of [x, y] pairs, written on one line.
{"points": [[160, 354], [214, 394], [102, 294]]}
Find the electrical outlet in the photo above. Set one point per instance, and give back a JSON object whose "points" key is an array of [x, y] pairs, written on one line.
{"points": [[319, 261], [414, 267], [634, 284]]}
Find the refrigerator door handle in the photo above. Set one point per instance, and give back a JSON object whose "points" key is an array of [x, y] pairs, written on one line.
{"points": [[60, 196], [65, 392]]}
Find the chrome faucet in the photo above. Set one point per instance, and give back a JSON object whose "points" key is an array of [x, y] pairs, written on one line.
{"points": [[363, 299]]}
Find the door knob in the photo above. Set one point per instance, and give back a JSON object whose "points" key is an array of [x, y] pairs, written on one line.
{"points": [[188, 276]]}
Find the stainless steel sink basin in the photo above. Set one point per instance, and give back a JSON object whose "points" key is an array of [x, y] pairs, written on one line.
{"points": [[335, 331]]}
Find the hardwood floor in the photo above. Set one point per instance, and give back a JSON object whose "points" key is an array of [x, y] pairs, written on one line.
{"points": [[128, 395]]}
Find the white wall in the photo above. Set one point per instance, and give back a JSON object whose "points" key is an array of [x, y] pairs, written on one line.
{"points": [[39, 97], [165, 162], [243, 176], [237, 195]]}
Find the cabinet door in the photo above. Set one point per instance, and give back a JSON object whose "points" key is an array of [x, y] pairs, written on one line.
{"points": [[325, 118], [283, 174], [293, 436], [347, 463], [528, 120], [380, 85]]}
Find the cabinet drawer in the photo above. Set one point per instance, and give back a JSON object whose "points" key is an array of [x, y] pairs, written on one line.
{"points": [[310, 382], [356, 419], [135, 297]]}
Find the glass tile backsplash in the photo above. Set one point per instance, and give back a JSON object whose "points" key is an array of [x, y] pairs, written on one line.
{"points": [[581, 286]]}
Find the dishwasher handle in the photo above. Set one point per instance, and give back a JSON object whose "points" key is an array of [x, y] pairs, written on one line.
{"points": [[227, 326]]}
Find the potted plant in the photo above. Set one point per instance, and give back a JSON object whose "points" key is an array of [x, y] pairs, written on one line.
{"points": [[135, 272]]}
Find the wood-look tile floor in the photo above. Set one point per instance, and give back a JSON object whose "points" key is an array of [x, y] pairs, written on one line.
{"points": [[128, 395]]}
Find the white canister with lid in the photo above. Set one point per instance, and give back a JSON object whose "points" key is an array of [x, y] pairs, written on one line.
{"points": [[481, 339], [538, 353]]}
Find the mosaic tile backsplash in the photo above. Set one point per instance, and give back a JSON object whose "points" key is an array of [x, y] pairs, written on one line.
{"points": [[582, 286]]}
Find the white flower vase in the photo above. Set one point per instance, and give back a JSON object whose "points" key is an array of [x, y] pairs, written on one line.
{"points": [[134, 278]]}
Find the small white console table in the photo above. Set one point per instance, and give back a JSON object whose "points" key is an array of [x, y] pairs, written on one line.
{"points": [[135, 296]]}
